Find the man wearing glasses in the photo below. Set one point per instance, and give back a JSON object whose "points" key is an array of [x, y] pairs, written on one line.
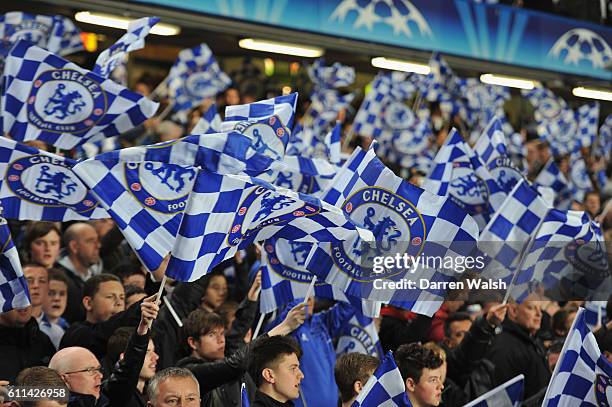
{"points": [[82, 373]]}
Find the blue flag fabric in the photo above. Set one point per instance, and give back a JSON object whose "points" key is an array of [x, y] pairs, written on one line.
{"points": [[284, 278], [57, 34], [145, 189], [226, 213], [491, 147], [210, 122], [507, 235], [603, 146], [457, 173], [244, 397], [509, 394], [567, 260], [403, 219], [37, 185], [385, 387], [359, 334], [305, 175], [588, 120], [266, 122], [552, 177], [14, 292], [556, 122], [132, 40], [50, 99], [583, 375], [195, 76]]}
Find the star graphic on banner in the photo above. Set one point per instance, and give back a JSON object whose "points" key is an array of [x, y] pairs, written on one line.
{"points": [[343, 8], [399, 23], [367, 17]]}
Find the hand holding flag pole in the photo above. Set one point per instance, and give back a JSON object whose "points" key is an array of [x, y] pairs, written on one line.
{"points": [[158, 297]]}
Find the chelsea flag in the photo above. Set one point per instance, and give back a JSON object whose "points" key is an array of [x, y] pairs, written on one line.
{"points": [[48, 98]]}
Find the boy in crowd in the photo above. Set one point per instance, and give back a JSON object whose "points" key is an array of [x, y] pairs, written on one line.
{"points": [[275, 368], [422, 372], [51, 321], [352, 371], [38, 285], [103, 299]]}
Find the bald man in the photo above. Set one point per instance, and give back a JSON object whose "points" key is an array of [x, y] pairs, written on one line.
{"points": [[79, 260], [82, 373]]}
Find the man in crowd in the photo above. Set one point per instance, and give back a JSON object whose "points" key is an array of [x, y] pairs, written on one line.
{"points": [[83, 375], [173, 386], [80, 260], [275, 368], [38, 285], [103, 298], [22, 344], [517, 350], [42, 377], [352, 372], [51, 322], [421, 370]]}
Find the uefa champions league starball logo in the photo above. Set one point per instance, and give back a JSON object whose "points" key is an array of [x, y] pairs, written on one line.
{"points": [[580, 44], [400, 15]]}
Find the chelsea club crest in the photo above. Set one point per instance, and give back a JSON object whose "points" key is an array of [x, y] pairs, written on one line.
{"points": [[398, 116], [396, 224], [65, 101], [288, 258], [159, 186], [589, 258], [467, 190], [603, 390], [504, 172], [269, 137], [256, 210], [356, 339], [48, 181]]}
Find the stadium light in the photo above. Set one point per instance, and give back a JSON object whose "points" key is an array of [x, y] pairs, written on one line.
{"points": [[110, 20], [509, 81], [280, 48], [398, 65], [592, 93]]}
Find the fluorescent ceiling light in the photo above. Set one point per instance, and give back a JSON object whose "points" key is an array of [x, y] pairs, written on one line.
{"points": [[398, 65], [592, 93], [281, 48], [509, 81], [109, 20]]}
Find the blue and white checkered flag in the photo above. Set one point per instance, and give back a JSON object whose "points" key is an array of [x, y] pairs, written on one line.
{"points": [[305, 175], [37, 185], [132, 40], [210, 122], [50, 99], [359, 334], [226, 213], [588, 120], [443, 86], [567, 260], [145, 188], [195, 76], [552, 177], [57, 34], [603, 146], [403, 219], [505, 238], [509, 394], [120, 73], [385, 387], [580, 182], [459, 174], [483, 102], [14, 292], [595, 314], [93, 148], [330, 77], [556, 122], [332, 144], [583, 374], [495, 154], [411, 147], [284, 278]]}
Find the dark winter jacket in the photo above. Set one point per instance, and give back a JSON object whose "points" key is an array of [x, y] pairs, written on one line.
{"points": [[87, 400], [95, 336], [399, 327], [516, 352], [120, 387], [261, 400], [229, 393], [184, 299], [21, 348]]}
